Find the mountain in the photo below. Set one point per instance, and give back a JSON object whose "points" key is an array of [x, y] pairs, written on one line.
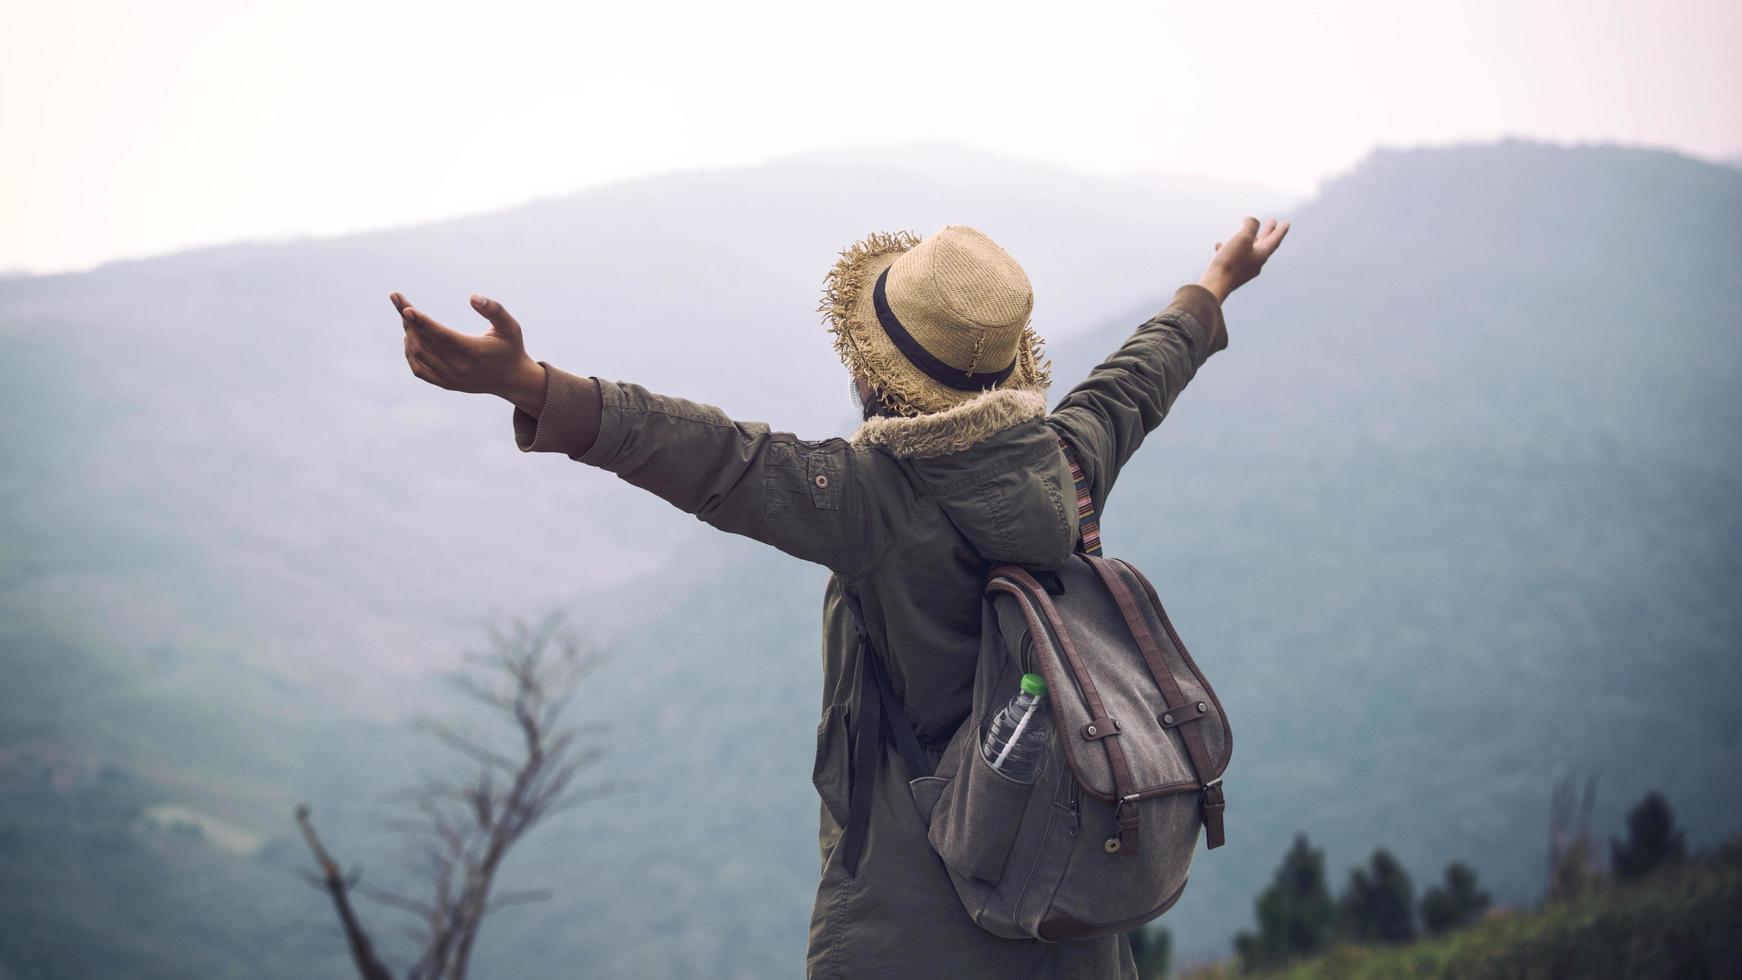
{"points": [[243, 420], [1460, 507], [1456, 509]]}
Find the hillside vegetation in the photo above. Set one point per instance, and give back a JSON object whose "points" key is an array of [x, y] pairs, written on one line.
{"points": [[1680, 922]]}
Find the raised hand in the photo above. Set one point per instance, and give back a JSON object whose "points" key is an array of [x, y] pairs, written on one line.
{"points": [[493, 363], [1239, 260]]}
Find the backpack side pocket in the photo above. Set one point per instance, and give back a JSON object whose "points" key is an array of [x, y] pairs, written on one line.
{"points": [[977, 817]]}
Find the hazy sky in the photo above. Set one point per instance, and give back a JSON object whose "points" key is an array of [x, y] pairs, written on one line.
{"points": [[134, 128]]}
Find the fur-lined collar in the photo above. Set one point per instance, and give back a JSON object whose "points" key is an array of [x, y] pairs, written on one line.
{"points": [[953, 429]]}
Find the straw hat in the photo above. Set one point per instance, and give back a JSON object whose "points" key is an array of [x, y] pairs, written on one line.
{"points": [[932, 324]]}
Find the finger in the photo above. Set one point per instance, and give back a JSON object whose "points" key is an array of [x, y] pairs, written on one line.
{"points": [[399, 301], [1267, 245], [1269, 225], [1218, 246], [432, 334], [499, 318], [1248, 229]]}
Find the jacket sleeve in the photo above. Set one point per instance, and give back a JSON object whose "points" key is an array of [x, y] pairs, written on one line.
{"points": [[1106, 417], [803, 497]]}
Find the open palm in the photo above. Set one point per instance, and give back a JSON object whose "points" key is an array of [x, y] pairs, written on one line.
{"points": [[487, 363], [1239, 260]]}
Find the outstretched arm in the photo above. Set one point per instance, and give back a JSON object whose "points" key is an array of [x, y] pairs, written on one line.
{"points": [[1106, 417], [803, 497]]}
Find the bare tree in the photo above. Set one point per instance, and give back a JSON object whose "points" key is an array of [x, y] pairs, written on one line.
{"points": [[462, 831]]}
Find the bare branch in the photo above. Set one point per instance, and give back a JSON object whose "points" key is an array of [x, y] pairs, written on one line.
{"points": [[510, 899], [476, 752], [396, 901], [459, 831], [362, 951]]}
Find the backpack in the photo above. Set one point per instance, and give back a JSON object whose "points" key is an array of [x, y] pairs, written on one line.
{"points": [[1103, 840]]}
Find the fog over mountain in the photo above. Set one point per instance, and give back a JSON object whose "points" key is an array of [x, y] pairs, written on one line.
{"points": [[1457, 509]]}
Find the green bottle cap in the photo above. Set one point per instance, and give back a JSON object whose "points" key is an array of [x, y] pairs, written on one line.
{"points": [[1034, 684]]}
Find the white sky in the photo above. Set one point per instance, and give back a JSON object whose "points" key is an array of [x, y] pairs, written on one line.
{"points": [[135, 128]]}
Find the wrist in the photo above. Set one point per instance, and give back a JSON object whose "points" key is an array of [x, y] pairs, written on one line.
{"points": [[525, 388], [1219, 286]]}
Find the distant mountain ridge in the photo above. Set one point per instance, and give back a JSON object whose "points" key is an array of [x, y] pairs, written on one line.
{"points": [[1458, 506]]}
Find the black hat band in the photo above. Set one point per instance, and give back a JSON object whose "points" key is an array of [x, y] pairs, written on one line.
{"points": [[949, 377]]}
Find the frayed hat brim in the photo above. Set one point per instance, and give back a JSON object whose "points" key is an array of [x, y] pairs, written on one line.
{"points": [[868, 352]]}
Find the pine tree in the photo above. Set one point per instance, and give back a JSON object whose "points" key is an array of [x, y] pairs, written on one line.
{"points": [[1378, 905], [1455, 904], [1295, 914], [1652, 840]]}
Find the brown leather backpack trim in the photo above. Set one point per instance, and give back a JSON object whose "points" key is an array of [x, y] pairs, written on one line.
{"points": [[1174, 699], [1100, 728], [1031, 595], [1186, 655], [1213, 803]]}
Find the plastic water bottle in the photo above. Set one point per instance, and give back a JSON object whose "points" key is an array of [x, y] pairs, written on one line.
{"points": [[1017, 740]]}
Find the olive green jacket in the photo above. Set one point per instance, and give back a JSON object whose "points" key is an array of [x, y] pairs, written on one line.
{"points": [[909, 513]]}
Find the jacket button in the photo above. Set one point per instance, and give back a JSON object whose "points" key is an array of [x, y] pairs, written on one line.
{"points": [[822, 481]]}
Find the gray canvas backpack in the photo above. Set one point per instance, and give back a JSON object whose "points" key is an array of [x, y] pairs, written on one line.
{"points": [[1103, 841]]}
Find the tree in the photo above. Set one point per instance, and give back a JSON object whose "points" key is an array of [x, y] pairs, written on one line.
{"points": [[462, 831], [1295, 914], [1378, 905], [1455, 904], [1151, 947], [1652, 840], [1571, 853]]}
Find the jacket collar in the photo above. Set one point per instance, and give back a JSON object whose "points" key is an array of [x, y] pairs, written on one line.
{"points": [[954, 429]]}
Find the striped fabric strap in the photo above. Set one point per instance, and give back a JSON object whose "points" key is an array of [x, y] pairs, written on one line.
{"points": [[1088, 525]]}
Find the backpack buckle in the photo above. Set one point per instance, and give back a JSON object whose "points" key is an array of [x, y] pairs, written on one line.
{"points": [[1125, 815], [1210, 806]]}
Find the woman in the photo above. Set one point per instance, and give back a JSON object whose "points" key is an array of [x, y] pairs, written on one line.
{"points": [[957, 465]]}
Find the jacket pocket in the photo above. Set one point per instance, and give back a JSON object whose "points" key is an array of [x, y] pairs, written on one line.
{"points": [[977, 817], [829, 770], [927, 790]]}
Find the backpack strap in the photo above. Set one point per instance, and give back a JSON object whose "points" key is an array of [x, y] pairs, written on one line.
{"points": [[1212, 803], [878, 711], [1088, 525], [877, 716], [1019, 582]]}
